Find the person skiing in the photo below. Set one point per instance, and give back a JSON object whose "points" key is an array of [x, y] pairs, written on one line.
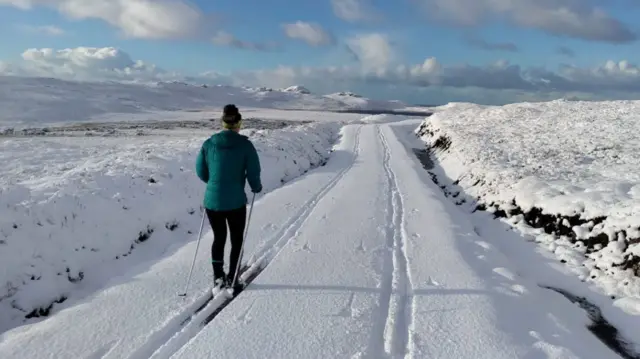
{"points": [[226, 160]]}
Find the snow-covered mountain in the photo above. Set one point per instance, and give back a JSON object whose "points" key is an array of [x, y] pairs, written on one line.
{"points": [[297, 89]]}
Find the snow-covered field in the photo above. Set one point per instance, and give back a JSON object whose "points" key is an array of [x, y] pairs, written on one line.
{"points": [[360, 258], [75, 208], [352, 250], [32, 102], [89, 172], [567, 174]]}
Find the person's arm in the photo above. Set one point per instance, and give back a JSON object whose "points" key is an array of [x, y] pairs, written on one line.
{"points": [[253, 169], [202, 170]]}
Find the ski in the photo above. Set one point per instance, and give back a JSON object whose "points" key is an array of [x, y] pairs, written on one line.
{"points": [[232, 293], [217, 297]]}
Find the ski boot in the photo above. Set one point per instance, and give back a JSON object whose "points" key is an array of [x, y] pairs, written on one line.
{"points": [[239, 286], [219, 279], [219, 284]]}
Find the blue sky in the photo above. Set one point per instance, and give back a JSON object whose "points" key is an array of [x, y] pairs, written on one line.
{"points": [[478, 50]]}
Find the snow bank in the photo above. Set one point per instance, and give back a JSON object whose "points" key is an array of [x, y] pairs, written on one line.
{"points": [[34, 101], [77, 211], [566, 173]]}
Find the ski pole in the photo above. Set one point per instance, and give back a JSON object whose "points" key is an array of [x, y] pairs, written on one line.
{"points": [[195, 254], [246, 232]]}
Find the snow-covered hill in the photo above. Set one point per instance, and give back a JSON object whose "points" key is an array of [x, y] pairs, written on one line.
{"points": [[565, 173], [27, 102], [297, 89]]}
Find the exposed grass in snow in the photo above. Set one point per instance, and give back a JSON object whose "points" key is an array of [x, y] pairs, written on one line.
{"points": [[565, 173], [79, 211], [139, 128]]}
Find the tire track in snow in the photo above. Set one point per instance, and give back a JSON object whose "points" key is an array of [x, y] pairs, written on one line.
{"points": [[397, 288], [171, 338]]}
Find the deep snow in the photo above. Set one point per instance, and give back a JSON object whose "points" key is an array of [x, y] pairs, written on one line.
{"points": [[565, 174]]}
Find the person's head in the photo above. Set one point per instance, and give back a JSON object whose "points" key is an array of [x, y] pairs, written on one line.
{"points": [[231, 118]]}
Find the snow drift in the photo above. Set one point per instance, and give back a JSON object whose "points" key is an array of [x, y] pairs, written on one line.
{"points": [[75, 210], [565, 173]]}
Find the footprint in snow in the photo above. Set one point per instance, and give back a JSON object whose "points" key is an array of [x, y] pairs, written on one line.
{"points": [[432, 282], [269, 226], [305, 247], [245, 317], [347, 310], [505, 273], [520, 289], [484, 245]]}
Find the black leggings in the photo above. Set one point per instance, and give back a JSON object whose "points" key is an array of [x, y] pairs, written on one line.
{"points": [[219, 219]]}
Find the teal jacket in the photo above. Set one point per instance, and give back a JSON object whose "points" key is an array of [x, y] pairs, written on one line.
{"points": [[226, 160]]}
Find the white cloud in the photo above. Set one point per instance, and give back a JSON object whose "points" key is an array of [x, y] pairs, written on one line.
{"points": [[610, 77], [5, 68], [87, 63], [312, 34], [573, 18], [222, 38], [147, 19], [620, 75], [373, 51], [354, 10]]}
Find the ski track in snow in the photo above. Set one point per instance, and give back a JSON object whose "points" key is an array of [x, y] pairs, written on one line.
{"points": [[179, 327], [290, 230], [180, 324], [396, 300], [343, 292], [175, 334]]}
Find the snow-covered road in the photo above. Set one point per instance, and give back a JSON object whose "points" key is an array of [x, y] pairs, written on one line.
{"points": [[364, 259]]}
